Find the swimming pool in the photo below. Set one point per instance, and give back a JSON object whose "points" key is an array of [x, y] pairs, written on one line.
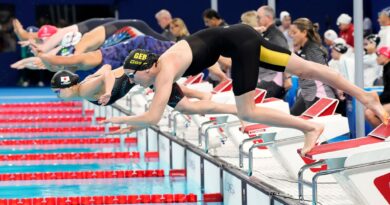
{"points": [[50, 154], [43, 167]]}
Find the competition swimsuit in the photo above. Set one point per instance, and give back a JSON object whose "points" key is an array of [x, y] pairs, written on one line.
{"points": [[121, 87], [115, 55], [90, 24], [114, 26], [244, 45]]}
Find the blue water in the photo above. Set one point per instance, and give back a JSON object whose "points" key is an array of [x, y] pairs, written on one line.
{"points": [[81, 187], [161, 185]]}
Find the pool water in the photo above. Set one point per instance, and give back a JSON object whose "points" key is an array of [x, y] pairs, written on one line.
{"points": [[82, 187]]}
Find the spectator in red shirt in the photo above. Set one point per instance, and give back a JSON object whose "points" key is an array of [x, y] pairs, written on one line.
{"points": [[346, 28]]}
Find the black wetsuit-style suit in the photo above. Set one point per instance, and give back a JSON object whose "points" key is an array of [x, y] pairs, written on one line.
{"points": [[113, 26], [244, 45], [88, 25], [121, 87]]}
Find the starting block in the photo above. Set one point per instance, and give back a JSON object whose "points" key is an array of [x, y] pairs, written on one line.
{"points": [[285, 141], [361, 166]]}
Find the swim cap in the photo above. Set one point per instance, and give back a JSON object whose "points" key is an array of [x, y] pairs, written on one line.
{"points": [[71, 39], [384, 50], [64, 79], [46, 31], [374, 39], [341, 48], [140, 59], [32, 29]]}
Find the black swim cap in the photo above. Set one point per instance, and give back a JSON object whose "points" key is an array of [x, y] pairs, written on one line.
{"points": [[341, 48], [64, 79], [374, 39], [140, 59]]}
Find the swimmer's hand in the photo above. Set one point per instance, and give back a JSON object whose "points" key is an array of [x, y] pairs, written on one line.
{"points": [[114, 120], [24, 43], [104, 99], [126, 130]]}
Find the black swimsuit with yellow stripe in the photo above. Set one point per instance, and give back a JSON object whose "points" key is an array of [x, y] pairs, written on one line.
{"points": [[244, 45]]}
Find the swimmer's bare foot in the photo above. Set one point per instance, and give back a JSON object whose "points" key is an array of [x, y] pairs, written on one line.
{"points": [[19, 30], [311, 138], [373, 103]]}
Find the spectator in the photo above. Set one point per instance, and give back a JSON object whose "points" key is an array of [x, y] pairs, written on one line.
{"points": [[345, 66], [274, 82], [164, 18], [329, 37], [372, 71], [384, 22], [285, 19], [212, 18], [341, 63], [384, 60], [308, 42], [249, 18], [346, 28], [178, 28], [367, 26]]}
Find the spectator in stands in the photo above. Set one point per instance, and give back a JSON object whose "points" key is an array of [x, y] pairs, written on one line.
{"points": [[329, 37], [341, 63], [164, 18], [178, 28], [372, 71], [383, 59], [276, 83], [344, 22], [384, 22], [367, 26], [212, 18], [249, 18], [345, 66], [285, 19], [308, 42]]}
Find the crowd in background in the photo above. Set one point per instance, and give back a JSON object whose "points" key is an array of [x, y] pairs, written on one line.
{"points": [[301, 36]]}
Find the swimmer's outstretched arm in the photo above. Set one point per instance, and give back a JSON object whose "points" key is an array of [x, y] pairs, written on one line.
{"points": [[84, 61], [108, 80], [33, 63], [163, 86]]}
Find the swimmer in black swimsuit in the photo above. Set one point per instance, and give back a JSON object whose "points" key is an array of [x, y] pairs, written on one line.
{"points": [[102, 88], [52, 41], [106, 86], [93, 39], [248, 50]]}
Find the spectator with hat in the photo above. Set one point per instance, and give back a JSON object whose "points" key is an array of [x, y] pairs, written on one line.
{"points": [[382, 59], [344, 22], [329, 37], [372, 71], [285, 19]]}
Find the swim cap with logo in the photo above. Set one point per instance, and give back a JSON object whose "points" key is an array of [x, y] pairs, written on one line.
{"points": [[140, 59], [64, 79]]}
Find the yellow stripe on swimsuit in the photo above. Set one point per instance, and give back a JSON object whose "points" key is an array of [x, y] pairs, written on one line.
{"points": [[273, 57]]}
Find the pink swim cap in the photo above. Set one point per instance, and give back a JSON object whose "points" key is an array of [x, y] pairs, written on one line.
{"points": [[46, 31], [384, 50]]}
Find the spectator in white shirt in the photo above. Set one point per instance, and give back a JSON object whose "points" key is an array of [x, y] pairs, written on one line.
{"points": [[384, 22], [372, 71]]}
